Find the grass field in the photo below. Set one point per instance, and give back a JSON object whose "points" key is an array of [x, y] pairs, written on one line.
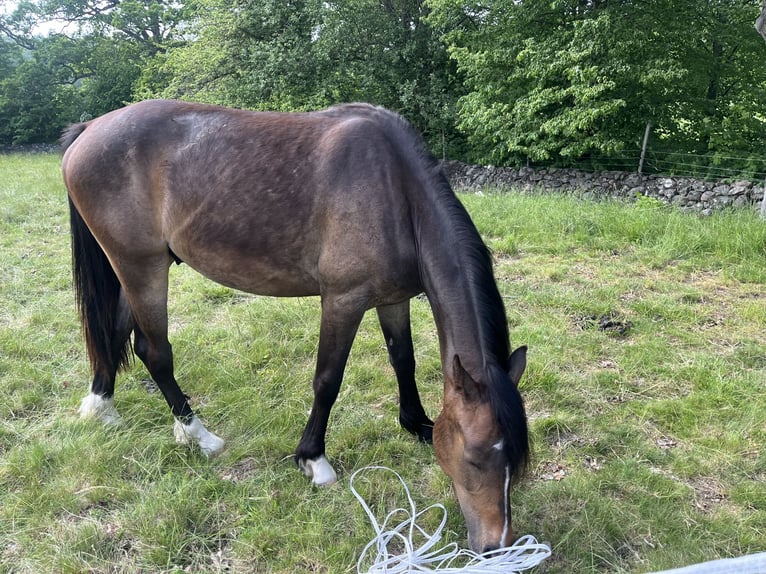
{"points": [[645, 391]]}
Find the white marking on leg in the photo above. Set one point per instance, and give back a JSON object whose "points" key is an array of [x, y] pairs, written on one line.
{"points": [[506, 493], [209, 443], [99, 407], [319, 470]]}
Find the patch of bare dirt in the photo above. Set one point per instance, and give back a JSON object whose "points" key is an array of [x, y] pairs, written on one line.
{"points": [[612, 323], [561, 439], [709, 493], [551, 470], [241, 470]]}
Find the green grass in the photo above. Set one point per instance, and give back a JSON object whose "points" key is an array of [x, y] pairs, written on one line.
{"points": [[647, 431]]}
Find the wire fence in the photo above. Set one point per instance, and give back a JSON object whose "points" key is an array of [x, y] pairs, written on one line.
{"points": [[683, 164]]}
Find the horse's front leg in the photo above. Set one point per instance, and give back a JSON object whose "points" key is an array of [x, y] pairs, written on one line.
{"points": [[336, 335], [395, 323]]}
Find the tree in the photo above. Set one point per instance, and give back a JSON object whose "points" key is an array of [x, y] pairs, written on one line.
{"points": [[50, 81], [254, 54], [387, 52], [306, 54], [567, 80], [36, 92], [151, 24]]}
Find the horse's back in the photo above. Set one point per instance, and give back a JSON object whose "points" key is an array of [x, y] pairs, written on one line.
{"points": [[272, 203]]}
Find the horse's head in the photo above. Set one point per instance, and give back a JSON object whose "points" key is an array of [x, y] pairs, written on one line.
{"points": [[480, 441]]}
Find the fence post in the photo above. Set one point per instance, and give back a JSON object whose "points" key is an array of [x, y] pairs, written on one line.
{"points": [[643, 150], [763, 201], [444, 147]]}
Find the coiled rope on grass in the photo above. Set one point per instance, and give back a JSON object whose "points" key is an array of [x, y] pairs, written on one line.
{"points": [[406, 546]]}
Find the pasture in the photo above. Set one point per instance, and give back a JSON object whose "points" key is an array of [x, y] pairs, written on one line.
{"points": [[645, 392]]}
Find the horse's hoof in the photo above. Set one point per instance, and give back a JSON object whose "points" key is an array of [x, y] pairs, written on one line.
{"points": [[212, 445], [209, 444], [102, 408], [318, 470], [423, 429], [426, 434]]}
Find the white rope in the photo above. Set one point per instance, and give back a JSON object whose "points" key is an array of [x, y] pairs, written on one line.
{"points": [[524, 554]]}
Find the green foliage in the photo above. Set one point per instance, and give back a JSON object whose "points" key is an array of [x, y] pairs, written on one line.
{"points": [[38, 93], [297, 55], [555, 82], [247, 54], [388, 53], [150, 24], [49, 81], [109, 73], [571, 80], [649, 202], [308, 54], [63, 81]]}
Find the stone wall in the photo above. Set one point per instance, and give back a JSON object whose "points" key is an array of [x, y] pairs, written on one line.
{"points": [[686, 193], [29, 148]]}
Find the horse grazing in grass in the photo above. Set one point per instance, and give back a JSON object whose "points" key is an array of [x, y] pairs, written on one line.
{"points": [[343, 203]]}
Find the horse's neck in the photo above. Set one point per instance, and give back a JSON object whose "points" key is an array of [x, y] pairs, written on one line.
{"points": [[458, 336], [456, 272], [444, 269]]}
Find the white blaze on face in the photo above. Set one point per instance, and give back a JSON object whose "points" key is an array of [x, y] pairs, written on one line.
{"points": [[506, 493], [499, 445]]}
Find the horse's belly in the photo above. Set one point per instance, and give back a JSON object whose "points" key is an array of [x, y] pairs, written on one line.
{"points": [[259, 280], [295, 281]]}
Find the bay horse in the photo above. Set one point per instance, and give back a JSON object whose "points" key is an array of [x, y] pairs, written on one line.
{"points": [[343, 203]]}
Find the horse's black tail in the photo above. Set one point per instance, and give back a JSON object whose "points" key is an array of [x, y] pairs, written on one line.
{"points": [[70, 134], [96, 287]]}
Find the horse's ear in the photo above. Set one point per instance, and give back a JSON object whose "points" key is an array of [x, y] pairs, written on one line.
{"points": [[462, 382], [517, 362]]}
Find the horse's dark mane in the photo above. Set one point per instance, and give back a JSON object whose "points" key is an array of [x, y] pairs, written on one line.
{"points": [[476, 260], [508, 408]]}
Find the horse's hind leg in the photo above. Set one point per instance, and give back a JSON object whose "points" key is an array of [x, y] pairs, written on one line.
{"points": [[100, 402], [395, 323], [148, 302]]}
